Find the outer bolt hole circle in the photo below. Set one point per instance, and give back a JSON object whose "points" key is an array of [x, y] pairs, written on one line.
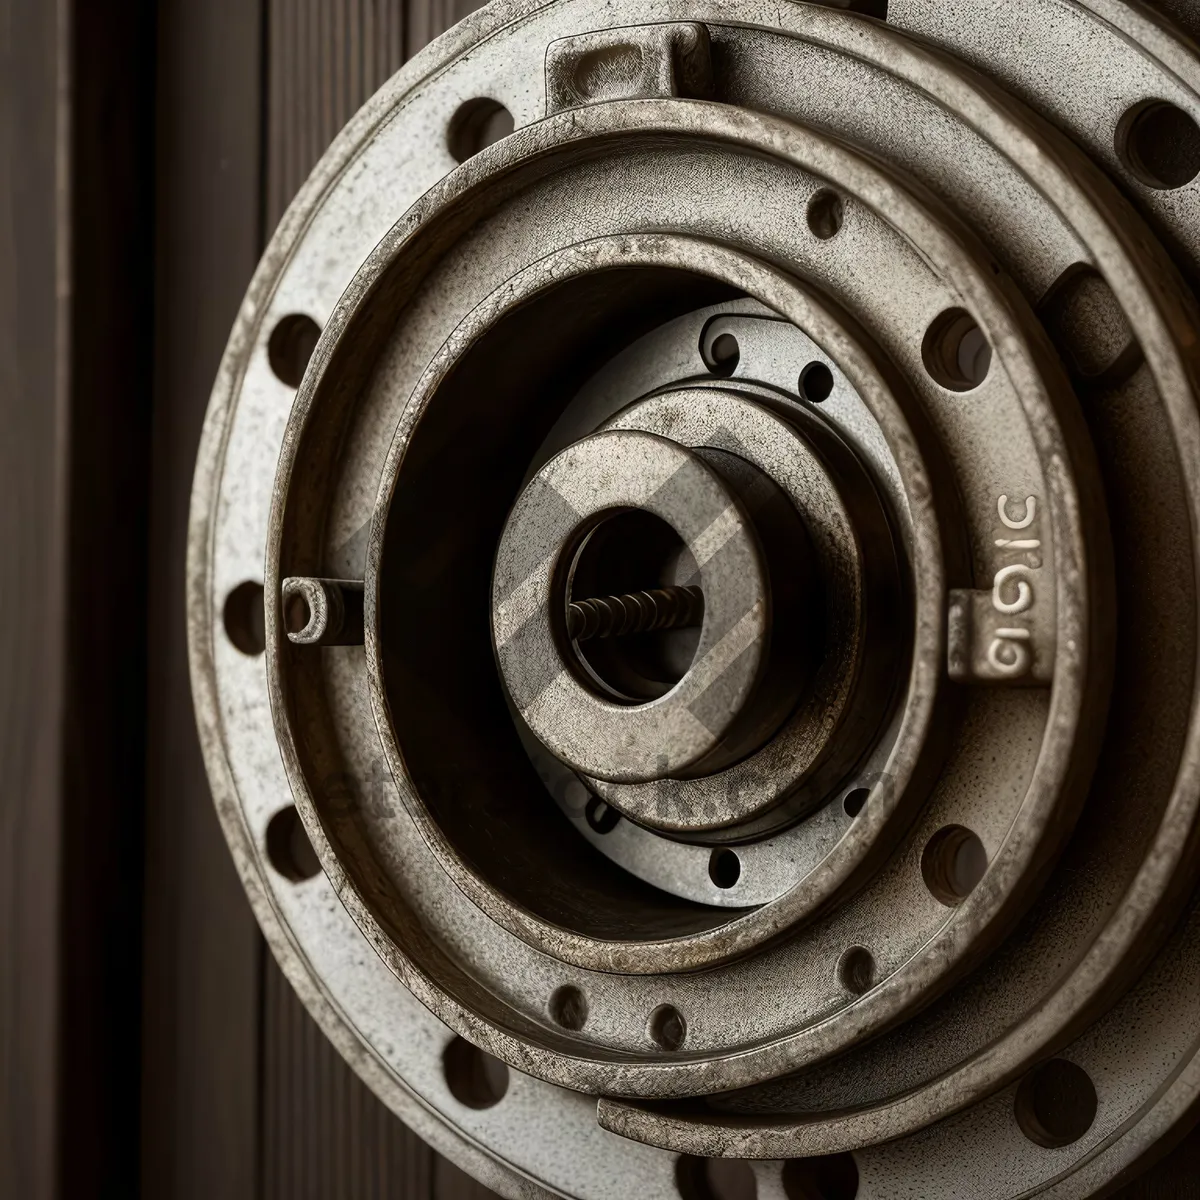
{"points": [[721, 354], [474, 1077], [714, 1178], [724, 868], [666, 1027], [288, 847], [1056, 1103], [827, 1177], [953, 862], [1160, 144], [857, 971], [955, 351], [290, 346], [476, 125], [245, 618], [568, 1008], [816, 383], [826, 213]]}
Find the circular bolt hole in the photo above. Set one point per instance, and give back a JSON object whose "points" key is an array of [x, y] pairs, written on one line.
{"points": [[667, 1028], [1056, 1103], [1160, 144], [856, 970], [288, 847], [825, 214], [714, 1178], [723, 354], [245, 619], [724, 868], [956, 353], [291, 345], [476, 125], [953, 862], [296, 613], [600, 816], [855, 801], [474, 1077], [816, 382], [827, 1177], [568, 1008]]}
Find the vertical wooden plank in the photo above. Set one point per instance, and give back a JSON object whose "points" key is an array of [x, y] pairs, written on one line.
{"points": [[202, 947], [111, 217], [33, 91], [324, 1132]]}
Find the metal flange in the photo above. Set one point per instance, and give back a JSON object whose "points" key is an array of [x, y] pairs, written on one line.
{"points": [[825, 367]]}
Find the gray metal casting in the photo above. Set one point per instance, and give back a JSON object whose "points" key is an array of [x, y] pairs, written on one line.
{"points": [[733, 579]]}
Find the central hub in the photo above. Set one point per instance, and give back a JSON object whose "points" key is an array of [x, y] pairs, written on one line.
{"points": [[636, 603]]}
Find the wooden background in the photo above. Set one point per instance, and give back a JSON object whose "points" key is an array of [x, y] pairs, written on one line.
{"points": [[148, 1044]]}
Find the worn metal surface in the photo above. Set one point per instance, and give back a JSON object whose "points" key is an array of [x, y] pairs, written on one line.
{"points": [[879, 339]]}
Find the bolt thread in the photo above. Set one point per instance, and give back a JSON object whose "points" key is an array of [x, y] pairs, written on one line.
{"points": [[635, 612]]}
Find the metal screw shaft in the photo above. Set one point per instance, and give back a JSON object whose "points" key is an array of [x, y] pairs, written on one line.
{"points": [[636, 612]]}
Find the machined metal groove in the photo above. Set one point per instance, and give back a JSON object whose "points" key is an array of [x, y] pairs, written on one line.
{"points": [[892, 291]]}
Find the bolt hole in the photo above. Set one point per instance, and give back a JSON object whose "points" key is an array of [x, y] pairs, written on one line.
{"points": [[474, 1078], [714, 1178], [816, 383], [825, 214], [723, 354], [603, 818], [1056, 1103], [296, 613], [1160, 144], [667, 1028], [476, 125], [953, 862], [956, 353], [245, 618], [724, 868], [855, 801], [568, 1008], [827, 1177], [856, 970], [288, 848], [291, 345]]}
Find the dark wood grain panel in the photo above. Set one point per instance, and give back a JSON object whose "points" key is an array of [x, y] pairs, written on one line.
{"points": [[202, 947], [324, 1132], [32, 537], [325, 58]]}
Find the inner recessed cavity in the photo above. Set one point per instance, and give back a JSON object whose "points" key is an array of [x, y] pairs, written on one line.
{"points": [[634, 589]]}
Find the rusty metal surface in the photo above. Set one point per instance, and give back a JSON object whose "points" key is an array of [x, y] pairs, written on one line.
{"points": [[933, 845]]}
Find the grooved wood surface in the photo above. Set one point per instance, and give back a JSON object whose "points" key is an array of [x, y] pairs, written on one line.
{"points": [[200, 1021], [324, 1133], [32, 527], [325, 58]]}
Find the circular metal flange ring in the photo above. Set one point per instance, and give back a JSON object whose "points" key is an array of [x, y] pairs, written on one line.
{"points": [[863, 614], [884, 994], [859, 845], [563, 504], [877, 1169]]}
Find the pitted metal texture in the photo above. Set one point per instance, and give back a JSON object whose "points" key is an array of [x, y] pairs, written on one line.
{"points": [[729, 578]]}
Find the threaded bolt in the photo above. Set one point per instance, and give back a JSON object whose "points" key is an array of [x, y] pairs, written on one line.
{"points": [[635, 612]]}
